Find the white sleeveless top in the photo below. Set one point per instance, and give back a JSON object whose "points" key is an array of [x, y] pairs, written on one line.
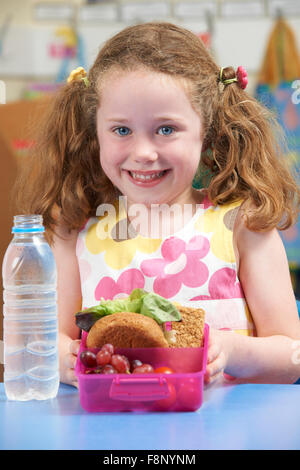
{"points": [[195, 266]]}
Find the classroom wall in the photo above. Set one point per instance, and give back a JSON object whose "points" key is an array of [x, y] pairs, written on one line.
{"points": [[237, 40]]}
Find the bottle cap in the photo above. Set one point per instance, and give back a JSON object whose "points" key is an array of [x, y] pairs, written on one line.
{"points": [[28, 223]]}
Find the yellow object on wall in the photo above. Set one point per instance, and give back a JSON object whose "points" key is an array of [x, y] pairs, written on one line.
{"points": [[281, 61]]}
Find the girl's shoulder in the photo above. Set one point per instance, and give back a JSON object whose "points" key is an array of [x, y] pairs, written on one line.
{"points": [[248, 241]]}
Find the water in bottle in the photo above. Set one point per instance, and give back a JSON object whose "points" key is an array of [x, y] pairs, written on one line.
{"points": [[30, 313]]}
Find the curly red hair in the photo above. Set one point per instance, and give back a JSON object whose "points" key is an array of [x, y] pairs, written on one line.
{"points": [[245, 160]]}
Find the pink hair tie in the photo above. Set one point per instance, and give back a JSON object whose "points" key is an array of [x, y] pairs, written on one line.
{"points": [[242, 77]]}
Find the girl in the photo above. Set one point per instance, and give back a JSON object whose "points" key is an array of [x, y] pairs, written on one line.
{"points": [[153, 109]]}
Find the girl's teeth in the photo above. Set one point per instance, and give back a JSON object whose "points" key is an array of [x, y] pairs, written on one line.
{"points": [[146, 177]]}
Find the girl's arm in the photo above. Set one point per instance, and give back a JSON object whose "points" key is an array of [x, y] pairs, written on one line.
{"points": [[274, 355], [69, 301]]}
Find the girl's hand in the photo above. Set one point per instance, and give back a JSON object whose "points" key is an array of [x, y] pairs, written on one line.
{"points": [[216, 357], [69, 376]]}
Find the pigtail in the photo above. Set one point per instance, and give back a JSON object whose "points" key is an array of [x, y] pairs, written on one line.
{"points": [[64, 168], [247, 160]]}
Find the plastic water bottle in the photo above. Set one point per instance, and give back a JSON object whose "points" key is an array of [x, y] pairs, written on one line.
{"points": [[30, 313]]}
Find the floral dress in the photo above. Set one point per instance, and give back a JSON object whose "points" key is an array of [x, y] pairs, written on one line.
{"points": [[195, 266]]}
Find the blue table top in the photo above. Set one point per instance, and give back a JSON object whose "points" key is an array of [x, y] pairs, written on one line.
{"points": [[231, 417]]}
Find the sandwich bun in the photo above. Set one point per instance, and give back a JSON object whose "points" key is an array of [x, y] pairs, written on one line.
{"points": [[134, 330], [126, 330]]}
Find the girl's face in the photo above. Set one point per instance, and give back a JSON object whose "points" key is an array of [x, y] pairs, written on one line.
{"points": [[150, 137]]}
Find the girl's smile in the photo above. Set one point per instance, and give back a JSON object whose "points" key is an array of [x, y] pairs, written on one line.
{"points": [[147, 179], [150, 137]]}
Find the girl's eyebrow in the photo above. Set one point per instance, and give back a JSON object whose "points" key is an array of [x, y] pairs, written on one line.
{"points": [[117, 119], [168, 118], [156, 118]]}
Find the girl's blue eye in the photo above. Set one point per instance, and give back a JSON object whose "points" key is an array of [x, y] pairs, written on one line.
{"points": [[122, 131], [166, 130]]}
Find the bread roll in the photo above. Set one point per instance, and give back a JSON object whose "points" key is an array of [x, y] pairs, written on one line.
{"points": [[126, 330]]}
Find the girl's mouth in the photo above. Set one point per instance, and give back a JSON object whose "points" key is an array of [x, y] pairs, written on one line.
{"points": [[147, 178]]}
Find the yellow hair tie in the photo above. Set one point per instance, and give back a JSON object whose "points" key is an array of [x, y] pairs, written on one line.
{"points": [[229, 80], [78, 74]]}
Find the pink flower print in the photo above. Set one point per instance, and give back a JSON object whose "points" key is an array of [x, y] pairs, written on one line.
{"points": [[127, 281], [180, 264], [222, 285]]}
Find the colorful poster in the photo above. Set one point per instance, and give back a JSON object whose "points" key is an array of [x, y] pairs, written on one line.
{"points": [[279, 90], [283, 100]]}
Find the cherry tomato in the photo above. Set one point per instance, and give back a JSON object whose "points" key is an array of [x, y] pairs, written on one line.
{"points": [[168, 402], [189, 395], [163, 370]]}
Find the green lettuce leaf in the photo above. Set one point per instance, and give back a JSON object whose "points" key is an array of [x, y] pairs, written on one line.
{"points": [[137, 294], [139, 301], [159, 308]]}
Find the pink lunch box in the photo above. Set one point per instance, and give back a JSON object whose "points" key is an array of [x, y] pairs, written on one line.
{"points": [[181, 391]]}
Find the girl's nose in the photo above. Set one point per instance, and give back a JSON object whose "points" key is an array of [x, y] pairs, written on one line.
{"points": [[144, 151]]}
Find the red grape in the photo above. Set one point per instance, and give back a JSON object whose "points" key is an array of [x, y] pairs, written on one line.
{"points": [[108, 347], [135, 363], [120, 363], [103, 357], [143, 369], [108, 369], [127, 362], [88, 358]]}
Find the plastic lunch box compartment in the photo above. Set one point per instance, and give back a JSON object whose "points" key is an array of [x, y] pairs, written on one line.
{"points": [[181, 391]]}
